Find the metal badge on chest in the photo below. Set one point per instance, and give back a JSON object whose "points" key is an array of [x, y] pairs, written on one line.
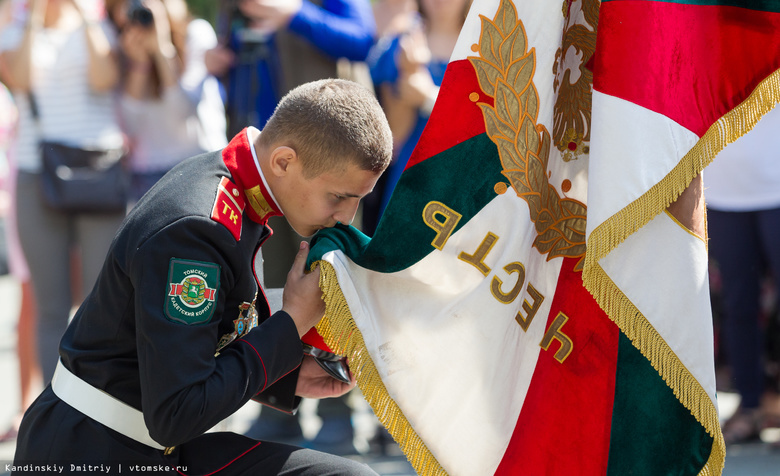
{"points": [[247, 320]]}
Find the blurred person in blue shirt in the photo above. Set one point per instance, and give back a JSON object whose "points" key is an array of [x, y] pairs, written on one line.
{"points": [[268, 47], [407, 66]]}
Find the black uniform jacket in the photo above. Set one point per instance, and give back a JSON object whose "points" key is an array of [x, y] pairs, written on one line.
{"points": [[177, 279]]}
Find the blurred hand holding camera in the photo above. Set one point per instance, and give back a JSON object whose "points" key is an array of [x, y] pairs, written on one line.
{"points": [[149, 26], [261, 18], [139, 13], [269, 15], [37, 9], [147, 42], [133, 45], [218, 60], [415, 84]]}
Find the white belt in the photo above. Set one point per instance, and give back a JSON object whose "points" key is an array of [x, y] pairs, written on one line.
{"points": [[101, 407]]}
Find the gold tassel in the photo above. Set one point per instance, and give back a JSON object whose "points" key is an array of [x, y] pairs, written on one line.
{"points": [[734, 124], [663, 359], [341, 334], [608, 235]]}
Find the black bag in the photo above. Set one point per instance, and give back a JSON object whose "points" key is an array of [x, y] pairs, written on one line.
{"points": [[82, 180], [76, 180]]}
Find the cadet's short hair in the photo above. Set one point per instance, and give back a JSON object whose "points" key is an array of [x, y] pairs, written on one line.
{"points": [[329, 123]]}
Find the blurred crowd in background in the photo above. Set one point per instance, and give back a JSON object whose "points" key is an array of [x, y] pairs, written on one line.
{"points": [[164, 80], [168, 79]]}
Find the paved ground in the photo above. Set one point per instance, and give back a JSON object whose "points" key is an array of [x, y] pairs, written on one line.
{"points": [[759, 459]]}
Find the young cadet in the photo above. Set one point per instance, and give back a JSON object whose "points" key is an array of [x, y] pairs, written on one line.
{"points": [[177, 335]]}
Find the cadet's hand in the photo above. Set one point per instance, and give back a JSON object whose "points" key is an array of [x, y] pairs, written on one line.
{"points": [[302, 297], [313, 382]]}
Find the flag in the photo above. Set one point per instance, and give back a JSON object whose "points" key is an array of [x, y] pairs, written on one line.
{"points": [[535, 298]]}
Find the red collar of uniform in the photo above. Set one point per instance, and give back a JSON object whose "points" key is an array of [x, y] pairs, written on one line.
{"points": [[245, 171]]}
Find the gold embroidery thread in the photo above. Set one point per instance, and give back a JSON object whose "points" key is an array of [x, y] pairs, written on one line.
{"points": [[505, 70], [572, 110]]}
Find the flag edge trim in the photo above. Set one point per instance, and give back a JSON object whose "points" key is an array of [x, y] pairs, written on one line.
{"points": [[614, 231], [346, 339], [664, 360]]}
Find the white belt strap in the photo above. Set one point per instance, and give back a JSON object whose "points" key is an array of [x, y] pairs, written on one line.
{"points": [[101, 407]]}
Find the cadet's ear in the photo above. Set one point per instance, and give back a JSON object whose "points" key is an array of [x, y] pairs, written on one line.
{"points": [[283, 160]]}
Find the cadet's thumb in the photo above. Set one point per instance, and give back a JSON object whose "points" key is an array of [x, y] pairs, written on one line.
{"points": [[300, 257]]}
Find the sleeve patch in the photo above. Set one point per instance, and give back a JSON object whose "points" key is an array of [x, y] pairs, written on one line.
{"points": [[229, 207], [192, 291]]}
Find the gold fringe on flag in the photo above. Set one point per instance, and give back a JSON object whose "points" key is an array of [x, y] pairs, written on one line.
{"points": [[342, 335], [733, 125], [663, 359], [608, 235]]}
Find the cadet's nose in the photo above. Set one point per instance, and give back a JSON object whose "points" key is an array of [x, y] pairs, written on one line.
{"points": [[346, 214]]}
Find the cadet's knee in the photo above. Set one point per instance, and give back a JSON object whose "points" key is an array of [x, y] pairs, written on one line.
{"points": [[330, 465], [359, 469]]}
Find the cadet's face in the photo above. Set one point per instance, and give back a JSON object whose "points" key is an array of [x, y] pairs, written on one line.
{"points": [[329, 198]]}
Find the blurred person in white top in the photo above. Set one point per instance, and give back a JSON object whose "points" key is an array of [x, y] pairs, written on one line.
{"points": [[26, 349], [171, 108], [742, 190], [59, 52]]}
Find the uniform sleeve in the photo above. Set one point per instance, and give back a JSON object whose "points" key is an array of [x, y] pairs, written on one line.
{"points": [[340, 28], [186, 389], [280, 395]]}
